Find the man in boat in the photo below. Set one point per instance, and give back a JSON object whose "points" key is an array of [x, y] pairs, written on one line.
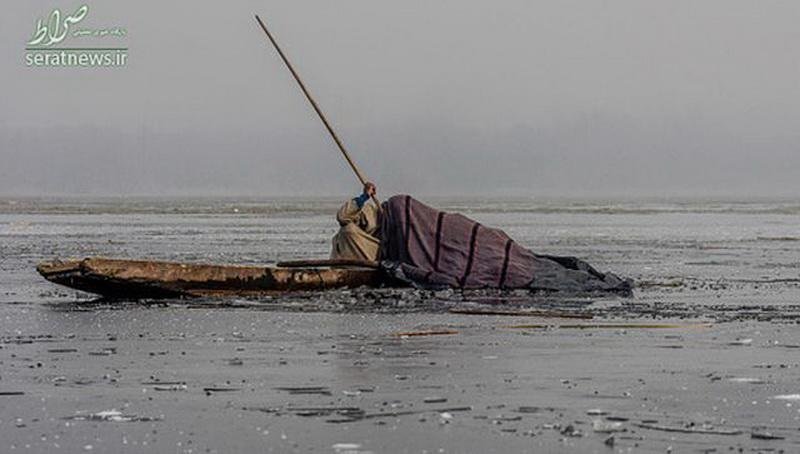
{"points": [[429, 248], [357, 238]]}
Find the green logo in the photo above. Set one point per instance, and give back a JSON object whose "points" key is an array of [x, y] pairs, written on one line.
{"points": [[55, 29], [43, 49]]}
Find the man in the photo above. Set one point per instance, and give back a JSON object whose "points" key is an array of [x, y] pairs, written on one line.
{"points": [[358, 236], [429, 248]]}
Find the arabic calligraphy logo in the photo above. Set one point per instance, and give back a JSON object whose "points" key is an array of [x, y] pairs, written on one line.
{"points": [[42, 50], [55, 29]]}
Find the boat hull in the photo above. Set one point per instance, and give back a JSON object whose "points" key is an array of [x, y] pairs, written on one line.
{"points": [[137, 279]]}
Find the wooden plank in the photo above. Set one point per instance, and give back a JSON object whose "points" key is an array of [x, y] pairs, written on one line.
{"points": [[314, 263], [522, 313]]}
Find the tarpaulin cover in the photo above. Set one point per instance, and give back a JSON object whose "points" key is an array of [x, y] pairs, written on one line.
{"points": [[432, 248]]}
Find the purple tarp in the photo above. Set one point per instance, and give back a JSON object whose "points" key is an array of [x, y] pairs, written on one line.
{"points": [[431, 248]]}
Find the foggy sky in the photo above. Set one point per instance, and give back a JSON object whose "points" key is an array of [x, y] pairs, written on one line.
{"points": [[510, 97]]}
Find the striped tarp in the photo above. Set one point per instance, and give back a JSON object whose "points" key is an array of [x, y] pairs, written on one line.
{"points": [[433, 248]]}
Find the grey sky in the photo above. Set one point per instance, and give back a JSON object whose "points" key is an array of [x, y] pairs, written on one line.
{"points": [[585, 97]]}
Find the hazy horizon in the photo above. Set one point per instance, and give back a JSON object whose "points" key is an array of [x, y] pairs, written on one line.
{"points": [[525, 98]]}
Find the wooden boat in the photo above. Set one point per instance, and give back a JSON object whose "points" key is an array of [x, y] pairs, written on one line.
{"points": [[134, 279]]}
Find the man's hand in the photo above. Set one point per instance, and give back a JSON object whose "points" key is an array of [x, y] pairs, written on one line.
{"points": [[370, 189]]}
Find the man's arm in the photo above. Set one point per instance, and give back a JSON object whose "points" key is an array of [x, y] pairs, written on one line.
{"points": [[369, 191], [361, 200], [351, 210]]}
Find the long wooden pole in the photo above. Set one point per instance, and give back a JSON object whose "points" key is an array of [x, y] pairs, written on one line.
{"points": [[316, 107]]}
